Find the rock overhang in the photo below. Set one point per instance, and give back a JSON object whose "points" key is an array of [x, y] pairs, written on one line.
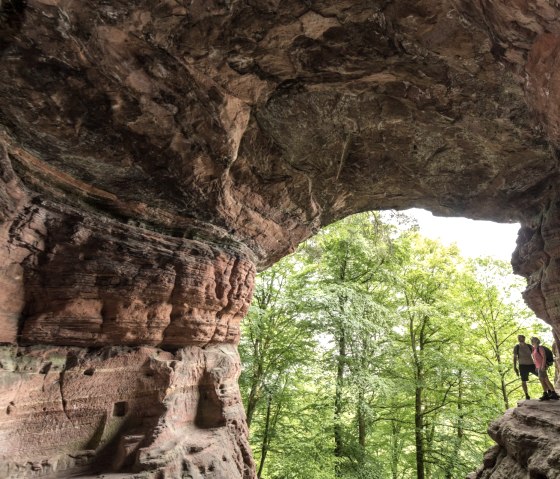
{"points": [[155, 154], [270, 121]]}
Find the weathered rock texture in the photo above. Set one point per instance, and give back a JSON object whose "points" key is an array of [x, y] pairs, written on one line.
{"points": [[71, 411], [528, 444], [153, 155]]}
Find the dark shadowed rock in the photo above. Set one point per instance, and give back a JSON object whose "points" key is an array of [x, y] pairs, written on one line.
{"points": [[154, 155]]}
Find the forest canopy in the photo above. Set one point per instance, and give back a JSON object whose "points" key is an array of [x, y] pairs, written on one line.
{"points": [[373, 352]]}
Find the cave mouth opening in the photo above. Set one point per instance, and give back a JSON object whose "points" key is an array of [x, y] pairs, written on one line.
{"points": [[384, 343]]}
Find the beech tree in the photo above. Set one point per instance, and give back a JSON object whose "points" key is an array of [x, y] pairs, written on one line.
{"points": [[428, 319], [373, 352], [493, 313], [276, 342], [352, 265]]}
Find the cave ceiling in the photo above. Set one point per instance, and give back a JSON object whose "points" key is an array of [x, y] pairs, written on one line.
{"points": [[155, 155], [269, 119]]}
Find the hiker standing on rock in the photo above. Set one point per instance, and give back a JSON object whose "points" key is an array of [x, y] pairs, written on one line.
{"points": [[540, 360], [522, 354]]}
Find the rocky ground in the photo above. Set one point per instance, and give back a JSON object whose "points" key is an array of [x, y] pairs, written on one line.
{"points": [[528, 443]]}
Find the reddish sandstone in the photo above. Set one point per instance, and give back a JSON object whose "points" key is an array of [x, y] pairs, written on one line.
{"points": [[155, 154]]}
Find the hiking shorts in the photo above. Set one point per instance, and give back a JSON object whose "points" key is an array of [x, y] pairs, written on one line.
{"points": [[525, 370]]}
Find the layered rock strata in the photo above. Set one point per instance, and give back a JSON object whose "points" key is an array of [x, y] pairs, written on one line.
{"points": [[72, 411], [89, 286], [154, 155]]}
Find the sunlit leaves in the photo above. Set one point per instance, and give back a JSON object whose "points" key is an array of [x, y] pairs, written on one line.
{"points": [[368, 333]]}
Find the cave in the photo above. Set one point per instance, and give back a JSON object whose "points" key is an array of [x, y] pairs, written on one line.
{"points": [[155, 155]]}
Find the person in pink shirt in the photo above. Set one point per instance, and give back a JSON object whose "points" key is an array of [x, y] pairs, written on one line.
{"points": [[539, 358]]}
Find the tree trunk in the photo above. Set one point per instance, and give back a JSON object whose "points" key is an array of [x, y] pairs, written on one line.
{"points": [[361, 423], [419, 433], [365, 357], [461, 414], [361, 427], [252, 400], [417, 341], [503, 386], [266, 436], [338, 441], [395, 449], [449, 473], [341, 363]]}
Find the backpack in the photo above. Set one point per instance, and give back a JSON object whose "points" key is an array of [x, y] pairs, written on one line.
{"points": [[549, 356], [547, 353]]}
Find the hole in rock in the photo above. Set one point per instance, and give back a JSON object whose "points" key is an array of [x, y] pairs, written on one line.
{"points": [[11, 12], [45, 368], [71, 360], [120, 409], [210, 409], [89, 372]]}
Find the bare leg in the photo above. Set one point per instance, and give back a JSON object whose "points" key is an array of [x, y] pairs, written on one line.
{"points": [[543, 380]]}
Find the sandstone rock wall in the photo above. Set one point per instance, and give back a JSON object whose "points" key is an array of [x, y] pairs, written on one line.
{"points": [[93, 285], [73, 410], [154, 155], [266, 119], [527, 440]]}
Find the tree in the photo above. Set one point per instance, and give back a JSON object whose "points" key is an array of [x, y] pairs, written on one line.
{"points": [[352, 262], [496, 318], [275, 343], [373, 352], [427, 289]]}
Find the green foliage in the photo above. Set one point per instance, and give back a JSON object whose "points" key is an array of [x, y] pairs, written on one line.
{"points": [[373, 352]]}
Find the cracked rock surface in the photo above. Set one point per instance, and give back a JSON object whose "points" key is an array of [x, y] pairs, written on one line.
{"points": [[118, 408], [527, 440], [155, 155]]}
